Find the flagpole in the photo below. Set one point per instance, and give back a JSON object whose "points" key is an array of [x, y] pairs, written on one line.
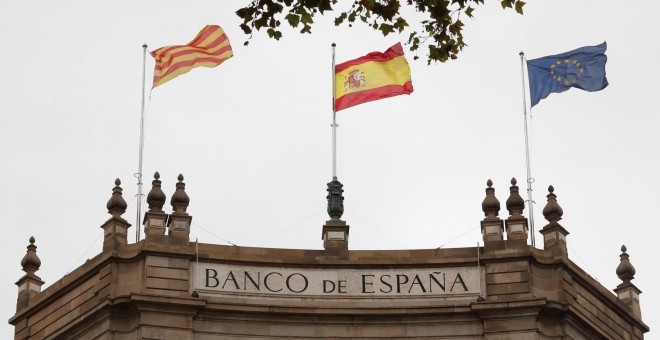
{"points": [[334, 118], [530, 180], [139, 173]]}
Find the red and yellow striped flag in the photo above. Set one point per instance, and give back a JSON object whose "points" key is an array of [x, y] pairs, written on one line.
{"points": [[374, 76], [209, 49]]}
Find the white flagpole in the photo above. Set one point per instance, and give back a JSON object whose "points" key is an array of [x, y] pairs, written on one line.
{"points": [[139, 173], [530, 180], [334, 118]]}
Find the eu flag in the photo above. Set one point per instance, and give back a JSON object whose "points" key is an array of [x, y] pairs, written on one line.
{"points": [[583, 68]]}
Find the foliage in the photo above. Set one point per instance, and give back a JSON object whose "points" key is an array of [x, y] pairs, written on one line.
{"points": [[441, 29]]}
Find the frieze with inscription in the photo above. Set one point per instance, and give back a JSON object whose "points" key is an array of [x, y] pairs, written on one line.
{"points": [[430, 282]]}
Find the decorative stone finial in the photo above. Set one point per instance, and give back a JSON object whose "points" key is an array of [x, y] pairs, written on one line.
{"points": [[490, 205], [335, 199], [515, 204], [31, 261], [625, 271], [180, 199], [552, 210], [116, 204], [30, 284], [156, 197]]}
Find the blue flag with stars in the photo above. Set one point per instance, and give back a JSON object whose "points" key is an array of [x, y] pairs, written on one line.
{"points": [[583, 68]]}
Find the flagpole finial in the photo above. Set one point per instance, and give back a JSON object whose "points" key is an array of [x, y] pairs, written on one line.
{"points": [[333, 45], [521, 53], [144, 45]]}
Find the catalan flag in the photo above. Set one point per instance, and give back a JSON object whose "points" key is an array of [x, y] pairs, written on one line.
{"points": [[374, 76], [209, 49]]}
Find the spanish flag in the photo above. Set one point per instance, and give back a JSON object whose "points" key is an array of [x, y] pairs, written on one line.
{"points": [[374, 76], [209, 49]]}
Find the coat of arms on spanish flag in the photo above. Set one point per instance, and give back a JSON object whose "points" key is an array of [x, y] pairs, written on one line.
{"points": [[374, 76]]}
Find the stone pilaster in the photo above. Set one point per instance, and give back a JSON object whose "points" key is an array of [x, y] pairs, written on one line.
{"points": [[335, 237], [492, 227], [554, 235], [179, 221], [516, 225], [155, 219], [30, 284], [115, 229], [627, 292]]}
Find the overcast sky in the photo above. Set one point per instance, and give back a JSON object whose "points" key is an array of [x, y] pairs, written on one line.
{"points": [[253, 139]]}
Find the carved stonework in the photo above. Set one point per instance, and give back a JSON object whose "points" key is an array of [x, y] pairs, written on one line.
{"points": [[116, 204], [31, 261], [335, 199], [180, 199], [625, 271], [552, 211], [515, 203], [156, 197], [490, 204]]}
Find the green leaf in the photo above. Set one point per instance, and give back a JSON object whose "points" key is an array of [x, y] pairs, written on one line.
{"points": [[386, 29], [306, 18], [261, 22], [400, 24], [293, 19], [324, 5], [411, 36], [275, 8], [438, 29], [310, 3], [434, 53], [244, 13], [340, 19], [246, 29]]}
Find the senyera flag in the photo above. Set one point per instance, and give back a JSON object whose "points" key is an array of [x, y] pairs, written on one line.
{"points": [[374, 76], [209, 49]]}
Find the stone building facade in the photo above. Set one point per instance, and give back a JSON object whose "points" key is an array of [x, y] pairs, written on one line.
{"points": [[167, 287]]}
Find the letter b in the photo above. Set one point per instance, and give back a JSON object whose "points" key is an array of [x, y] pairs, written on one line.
{"points": [[212, 277]]}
